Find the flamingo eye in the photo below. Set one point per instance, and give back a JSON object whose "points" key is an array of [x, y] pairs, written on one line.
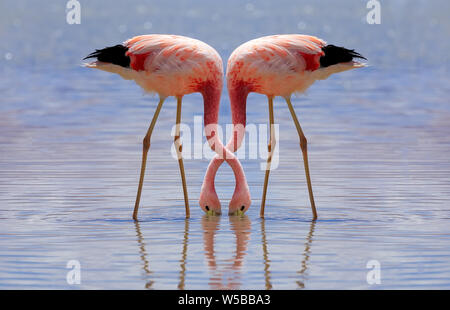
{"points": [[207, 208], [242, 208]]}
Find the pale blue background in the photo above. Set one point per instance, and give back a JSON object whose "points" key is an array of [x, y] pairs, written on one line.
{"points": [[70, 148]]}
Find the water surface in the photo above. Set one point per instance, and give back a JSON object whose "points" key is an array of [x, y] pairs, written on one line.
{"points": [[71, 141]]}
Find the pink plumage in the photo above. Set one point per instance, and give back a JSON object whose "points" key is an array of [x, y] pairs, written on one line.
{"points": [[172, 65], [169, 65], [277, 65]]}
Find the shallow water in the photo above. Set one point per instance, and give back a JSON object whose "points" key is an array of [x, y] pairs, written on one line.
{"points": [[378, 151]]}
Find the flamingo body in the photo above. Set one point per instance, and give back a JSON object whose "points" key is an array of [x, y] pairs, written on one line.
{"points": [[277, 65], [280, 65], [171, 65]]}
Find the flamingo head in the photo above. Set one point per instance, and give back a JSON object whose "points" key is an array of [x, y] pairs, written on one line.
{"points": [[209, 201], [240, 202]]}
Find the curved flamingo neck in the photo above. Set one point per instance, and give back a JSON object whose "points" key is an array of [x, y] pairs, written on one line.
{"points": [[211, 95], [213, 167], [238, 99]]}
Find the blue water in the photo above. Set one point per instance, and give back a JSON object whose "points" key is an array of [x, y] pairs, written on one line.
{"points": [[379, 142]]}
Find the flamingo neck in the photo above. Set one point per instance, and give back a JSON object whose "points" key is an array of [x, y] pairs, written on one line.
{"points": [[238, 93], [223, 153], [211, 102], [213, 167], [211, 96]]}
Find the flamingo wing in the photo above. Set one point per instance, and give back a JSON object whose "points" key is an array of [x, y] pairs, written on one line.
{"points": [[168, 53], [280, 53]]}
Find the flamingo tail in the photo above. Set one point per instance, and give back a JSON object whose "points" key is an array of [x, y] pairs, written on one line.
{"points": [[336, 54]]}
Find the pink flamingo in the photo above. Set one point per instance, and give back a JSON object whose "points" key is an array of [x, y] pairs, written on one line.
{"points": [[172, 65], [278, 65]]}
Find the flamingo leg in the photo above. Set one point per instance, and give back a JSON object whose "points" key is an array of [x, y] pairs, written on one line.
{"points": [[271, 148], [178, 148], [145, 148], [303, 146]]}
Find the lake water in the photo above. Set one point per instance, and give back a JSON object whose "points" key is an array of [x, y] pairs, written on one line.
{"points": [[70, 149]]}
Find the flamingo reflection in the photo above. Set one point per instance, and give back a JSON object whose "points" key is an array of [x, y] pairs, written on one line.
{"points": [[184, 255], [225, 275], [265, 255], [306, 254], [145, 264], [143, 256]]}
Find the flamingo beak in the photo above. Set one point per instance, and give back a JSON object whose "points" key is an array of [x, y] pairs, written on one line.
{"points": [[237, 213], [212, 212]]}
